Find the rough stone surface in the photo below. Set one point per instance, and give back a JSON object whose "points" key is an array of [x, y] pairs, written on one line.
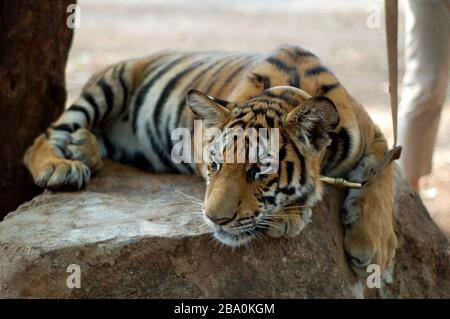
{"points": [[135, 234]]}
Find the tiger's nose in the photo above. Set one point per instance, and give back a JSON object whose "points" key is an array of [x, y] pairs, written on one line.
{"points": [[220, 220]]}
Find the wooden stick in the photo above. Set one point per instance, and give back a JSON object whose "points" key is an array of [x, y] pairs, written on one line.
{"points": [[339, 182]]}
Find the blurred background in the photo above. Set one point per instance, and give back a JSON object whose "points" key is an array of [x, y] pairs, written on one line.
{"points": [[347, 35]]}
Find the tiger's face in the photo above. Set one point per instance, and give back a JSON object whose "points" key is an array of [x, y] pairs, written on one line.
{"points": [[245, 195]]}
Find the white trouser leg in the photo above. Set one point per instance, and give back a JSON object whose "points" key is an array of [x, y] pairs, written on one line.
{"points": [[427, 60]]}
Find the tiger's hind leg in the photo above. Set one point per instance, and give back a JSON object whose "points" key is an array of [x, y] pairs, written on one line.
{"points": [[68, 153], [368, 216]]}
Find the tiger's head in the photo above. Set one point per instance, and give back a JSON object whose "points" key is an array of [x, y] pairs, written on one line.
{"points": [[244, 197]]}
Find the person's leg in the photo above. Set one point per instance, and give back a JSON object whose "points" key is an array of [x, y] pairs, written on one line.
{"points": [[427, 62]]}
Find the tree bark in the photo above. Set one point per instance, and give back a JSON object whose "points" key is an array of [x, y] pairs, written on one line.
{"points": [[34, 45]]}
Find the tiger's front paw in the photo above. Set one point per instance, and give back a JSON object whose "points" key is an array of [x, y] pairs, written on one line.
{"points": [[64, 163], [59, 173], [289, 224]]}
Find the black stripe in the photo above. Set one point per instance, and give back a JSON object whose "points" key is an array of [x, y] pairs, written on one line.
{"points": [[286, 98], [124, 89], [259, 78], [358, 162], [142, 94], [292, 55], [259, 111], [192, 85], [91, 100], [325, 88], [270, 121], [109, 96], [302, 165], [303, 169], [295, 79], [305, 54], [60, 149], [218, 73], [237, 122], [316, 70], [271, 182], [224, 103], [282, 153], [266, 110], [291, 71], [164, 96], [156, 147], [77, 108], [257, 126], [137, 106], [344, 142], [269, 199], [302, 53], [240, 115], [199, 77], [110, 150], [64, 127], [181, 106], [289, 171], [235, 73], [287, 190], [297, 53], [280, 65]]}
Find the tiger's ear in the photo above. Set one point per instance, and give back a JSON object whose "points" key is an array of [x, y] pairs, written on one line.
{"points": [[212, 111], [309, 124]]}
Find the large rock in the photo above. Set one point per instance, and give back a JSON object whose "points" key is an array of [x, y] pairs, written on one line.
{"points": [[135, 234]]}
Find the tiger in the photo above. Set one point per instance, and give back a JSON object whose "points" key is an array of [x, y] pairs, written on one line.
{"points": [[128, 111]]}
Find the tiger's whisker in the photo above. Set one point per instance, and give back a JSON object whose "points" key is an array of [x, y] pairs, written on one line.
{"points": [[195, 200]]}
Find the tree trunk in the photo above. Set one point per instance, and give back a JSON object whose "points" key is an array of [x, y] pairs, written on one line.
{"points": [[34, 46]]}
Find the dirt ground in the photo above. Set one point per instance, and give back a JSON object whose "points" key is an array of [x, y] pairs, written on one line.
{"points": [[347, 34]]}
